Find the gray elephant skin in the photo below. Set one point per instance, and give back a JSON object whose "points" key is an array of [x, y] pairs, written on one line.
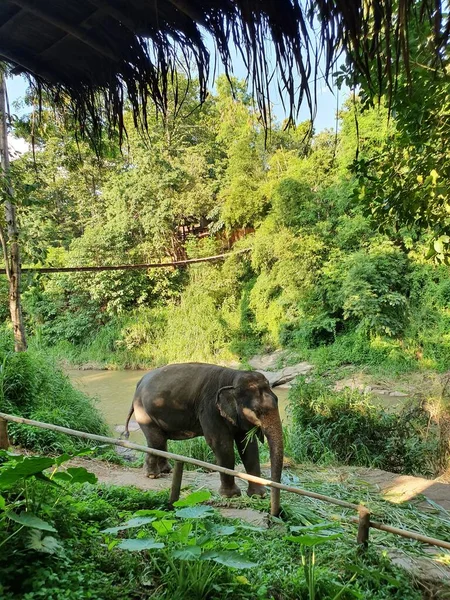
{"points": [[182, 401]]}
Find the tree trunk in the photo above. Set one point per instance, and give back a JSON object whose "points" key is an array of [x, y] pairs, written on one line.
{"points": [[11, 237]]}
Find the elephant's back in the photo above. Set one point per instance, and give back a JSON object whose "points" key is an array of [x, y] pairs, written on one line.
{"points": [[181, 377], [171, 396]]}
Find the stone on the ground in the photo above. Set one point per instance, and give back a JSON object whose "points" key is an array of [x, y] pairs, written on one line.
{"points": [[132, 426]]}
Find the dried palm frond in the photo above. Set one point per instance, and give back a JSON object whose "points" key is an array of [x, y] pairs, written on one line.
{"points": [[102, 54]]}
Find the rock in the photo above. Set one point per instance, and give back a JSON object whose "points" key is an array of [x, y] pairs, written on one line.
{"points": [[132, 426], [253, 517], [266, 361], [398, 394], [287, 375], [126, 453]]}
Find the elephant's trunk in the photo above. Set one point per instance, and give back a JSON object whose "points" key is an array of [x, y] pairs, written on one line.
{"points": [[272, 429]]}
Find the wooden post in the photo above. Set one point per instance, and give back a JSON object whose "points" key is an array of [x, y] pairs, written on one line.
{"points": [[275, 506], [4, 441], [176, 482], [363, 528]]}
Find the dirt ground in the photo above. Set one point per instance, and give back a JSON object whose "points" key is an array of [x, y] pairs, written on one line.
{"points": [[395, 488]]}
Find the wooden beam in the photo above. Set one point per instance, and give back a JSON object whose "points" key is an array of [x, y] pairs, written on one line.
{"points": [[31, 65], [68, 27], [66, 35], [11, 19], [179, 457], [176, 481], [114, 12], [188, 10], [363, 528]]}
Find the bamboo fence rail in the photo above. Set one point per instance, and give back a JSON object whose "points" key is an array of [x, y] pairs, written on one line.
{"points": [[363, 520]]}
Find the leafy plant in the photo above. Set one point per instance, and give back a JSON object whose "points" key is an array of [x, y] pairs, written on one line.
{"points": [[344, 427]]}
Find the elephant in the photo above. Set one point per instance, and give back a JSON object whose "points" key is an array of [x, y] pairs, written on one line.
{"points": [[182, 401]]}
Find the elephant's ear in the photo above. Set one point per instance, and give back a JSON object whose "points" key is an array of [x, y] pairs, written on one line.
{"points": [[226, 404]]}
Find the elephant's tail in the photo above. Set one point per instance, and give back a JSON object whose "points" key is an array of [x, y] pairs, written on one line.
{"points": [[126, 432]]}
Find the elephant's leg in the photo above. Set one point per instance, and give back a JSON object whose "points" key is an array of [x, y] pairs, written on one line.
{"points": [[249, 453], [155, 439], [163, 463], [223, 448]]}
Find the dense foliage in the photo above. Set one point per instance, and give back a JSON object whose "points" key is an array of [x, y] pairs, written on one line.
{"points": [[63, 536], [34, 387], [326, 276], [345, 427]]}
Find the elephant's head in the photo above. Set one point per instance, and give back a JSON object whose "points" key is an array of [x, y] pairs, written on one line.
{"points": [[249, 402]]}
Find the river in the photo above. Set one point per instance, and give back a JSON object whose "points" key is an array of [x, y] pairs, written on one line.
{"points": [[114, 392]]}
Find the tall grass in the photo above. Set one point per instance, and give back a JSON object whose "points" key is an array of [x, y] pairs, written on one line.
{"points": [[34, 387], [345, 428]]}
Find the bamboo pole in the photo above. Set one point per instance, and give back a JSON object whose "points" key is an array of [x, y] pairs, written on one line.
{"points": [[155, 265], [176, 482], [180, 458], [363, 528], [412, 535], [245, 476]]}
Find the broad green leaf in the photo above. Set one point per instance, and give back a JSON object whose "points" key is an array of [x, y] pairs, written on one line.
{"points": [[29, 466], [242, 580], [63, 458], [81, 475], [223, 530], [195, 512], [135, 522], [163, 527], [439, 246], [2, 503], [30, 520], [136, 545], [327, 527], [229, 559], [232, 545], [61, 476], [182, 534], [188, 553], [47, 544], [193, 499], [154, 512]]}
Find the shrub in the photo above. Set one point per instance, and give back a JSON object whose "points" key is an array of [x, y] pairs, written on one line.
{"points": [[329, 427], [369, 288], [32, 386]]}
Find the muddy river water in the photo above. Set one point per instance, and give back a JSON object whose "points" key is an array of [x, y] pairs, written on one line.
{"points": [[114, 392]]}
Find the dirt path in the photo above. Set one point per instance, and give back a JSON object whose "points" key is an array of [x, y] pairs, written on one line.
{"points": [[394, 488]]}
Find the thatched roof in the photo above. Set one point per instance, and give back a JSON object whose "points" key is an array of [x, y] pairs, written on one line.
{"points": [[132, 48]]}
